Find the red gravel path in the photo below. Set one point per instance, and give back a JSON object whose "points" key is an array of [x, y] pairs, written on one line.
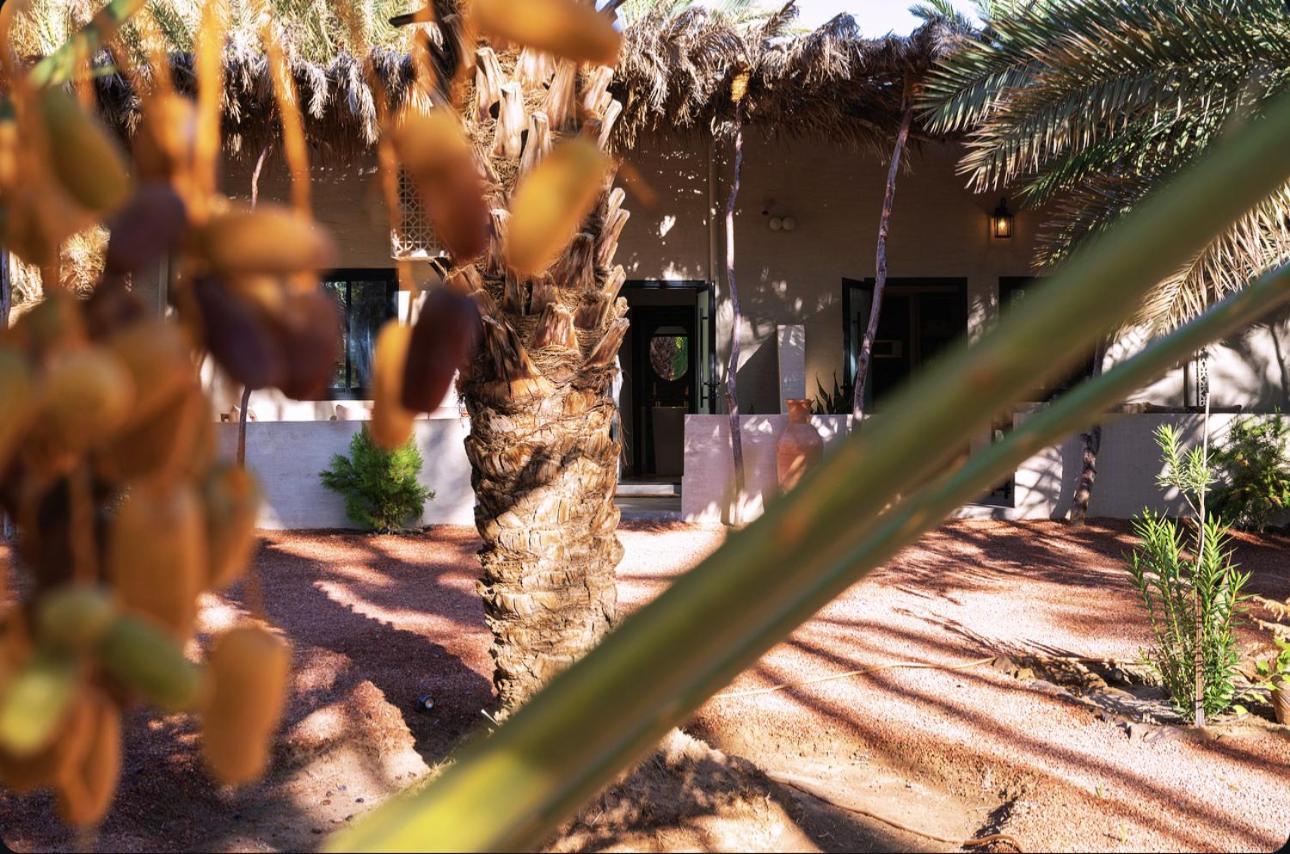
{"points": [[377, 621]]}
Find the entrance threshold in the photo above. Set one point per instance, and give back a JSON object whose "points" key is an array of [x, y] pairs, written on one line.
{"points": [[649, 489]]}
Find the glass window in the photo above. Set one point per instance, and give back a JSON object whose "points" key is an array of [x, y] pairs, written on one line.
{"points": [[367, 299]]}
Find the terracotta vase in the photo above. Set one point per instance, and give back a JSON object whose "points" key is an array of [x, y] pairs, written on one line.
{"points": [[799, 446], [1281, 702]]}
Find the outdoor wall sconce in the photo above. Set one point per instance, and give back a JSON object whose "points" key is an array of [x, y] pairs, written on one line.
{"points": [[1001, 221], [777, 222]]}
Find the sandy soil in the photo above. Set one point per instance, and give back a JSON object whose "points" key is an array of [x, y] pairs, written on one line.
{"points": [[832, 765]]}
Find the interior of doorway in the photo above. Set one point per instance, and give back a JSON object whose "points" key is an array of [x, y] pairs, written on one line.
{"points": [[668, 364]]}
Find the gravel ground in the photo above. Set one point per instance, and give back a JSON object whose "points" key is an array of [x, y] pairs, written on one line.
{"points": [[379, 621]]}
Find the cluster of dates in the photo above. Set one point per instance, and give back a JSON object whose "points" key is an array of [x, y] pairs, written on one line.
{"points": [[125, 517], [125, 514]]}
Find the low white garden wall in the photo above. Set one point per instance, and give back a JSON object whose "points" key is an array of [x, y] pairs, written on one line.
{"points": [[287, 457], [707, 485], [1128, 465]]}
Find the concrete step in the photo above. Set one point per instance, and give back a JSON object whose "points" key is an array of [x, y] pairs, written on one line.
{"points": [[649, 489], [649, 508]]}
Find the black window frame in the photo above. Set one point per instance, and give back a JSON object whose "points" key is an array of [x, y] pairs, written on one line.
{"points": [[851, 338], [347, 276]]}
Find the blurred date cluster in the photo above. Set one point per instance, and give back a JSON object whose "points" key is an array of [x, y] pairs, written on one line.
{"points": [[125, 514]]}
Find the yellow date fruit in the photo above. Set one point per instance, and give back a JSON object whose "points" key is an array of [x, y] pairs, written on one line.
{"points": [[85, 158], [567, 28], [85, 786], [551, 202], [391, 424], [157, 553], [232, 502], [272, 240], [249, 666]]}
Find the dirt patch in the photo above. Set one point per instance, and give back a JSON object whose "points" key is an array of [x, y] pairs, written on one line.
{"points": [[839, 764]]}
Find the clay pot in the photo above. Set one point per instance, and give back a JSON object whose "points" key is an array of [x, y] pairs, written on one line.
{"points": [[1281, 702], [799, 446]]}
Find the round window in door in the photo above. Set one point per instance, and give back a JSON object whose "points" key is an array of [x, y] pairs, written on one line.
{"points": [[669, 353]]}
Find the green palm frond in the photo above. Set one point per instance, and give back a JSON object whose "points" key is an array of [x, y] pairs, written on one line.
{"points": [[942, 11], [1084, 106]]}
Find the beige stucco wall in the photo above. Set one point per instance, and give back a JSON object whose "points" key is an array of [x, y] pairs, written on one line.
{"points": [[938, 229]]}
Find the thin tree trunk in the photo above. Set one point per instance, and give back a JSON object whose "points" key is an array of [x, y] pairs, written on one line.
{"points": [[544, 465], [736, 320], [865, 356], [241, 426], [246, 390], [1091, 441], [6, 289], [1198, 612]]}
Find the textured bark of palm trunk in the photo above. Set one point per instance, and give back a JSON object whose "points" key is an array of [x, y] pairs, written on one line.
{"points": [[544, 473], [540, 390]]}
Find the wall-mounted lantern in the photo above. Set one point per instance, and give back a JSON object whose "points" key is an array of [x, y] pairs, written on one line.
{"points": [[1001, 221]]}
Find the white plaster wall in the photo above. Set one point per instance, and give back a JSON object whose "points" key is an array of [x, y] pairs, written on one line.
{"points": [[707, 486], [288, 456], [1250, 369], [1128, 466]]}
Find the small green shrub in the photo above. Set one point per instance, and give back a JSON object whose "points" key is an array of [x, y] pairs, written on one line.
{"points": [[380, 487], [1274, 672], [1184, 573], [1254, 480]]}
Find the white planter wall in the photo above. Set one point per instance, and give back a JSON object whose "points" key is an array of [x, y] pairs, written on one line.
{"points": [[708, 482], [1128, 465], [287, 457]]}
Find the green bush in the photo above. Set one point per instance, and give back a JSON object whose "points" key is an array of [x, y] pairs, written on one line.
{"points": [[1254, 480], [380, 487], [1185, 574]]}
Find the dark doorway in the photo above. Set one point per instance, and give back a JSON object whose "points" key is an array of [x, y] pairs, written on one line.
{"points": [[920, 318], [668, 365]]}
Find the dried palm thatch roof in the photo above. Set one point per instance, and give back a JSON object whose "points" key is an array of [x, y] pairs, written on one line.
{"points": [[831, 83], [674, 76]]}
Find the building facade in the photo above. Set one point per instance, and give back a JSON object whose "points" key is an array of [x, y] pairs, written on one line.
{"points": [[805, 232]]}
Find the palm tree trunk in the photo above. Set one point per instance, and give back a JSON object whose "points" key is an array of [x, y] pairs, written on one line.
{"points": [[736, 321], [1091, 441], [539, 395], [865, 356]]}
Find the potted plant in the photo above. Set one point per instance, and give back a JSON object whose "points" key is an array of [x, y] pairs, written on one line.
{"points": [[1274, 676]]}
